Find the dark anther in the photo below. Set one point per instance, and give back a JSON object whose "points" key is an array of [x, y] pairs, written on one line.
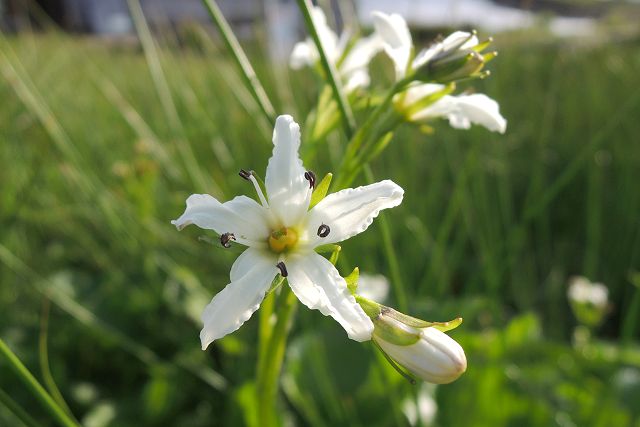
{"points": [[245, 174], [323, 230], [226, 238], [282, 268], [311, 177]]}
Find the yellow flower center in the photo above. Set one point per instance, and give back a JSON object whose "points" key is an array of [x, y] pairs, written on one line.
{"points": [[283, 239]]}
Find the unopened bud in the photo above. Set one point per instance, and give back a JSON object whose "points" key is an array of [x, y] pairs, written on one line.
{"points": [[461, 65], [420, 347]]}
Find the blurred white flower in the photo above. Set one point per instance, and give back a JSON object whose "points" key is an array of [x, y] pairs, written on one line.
{"points": [[581, 290], [351, 60], [460, 110], [422, 409], [589, 301], [373, 287], [281, 234]]}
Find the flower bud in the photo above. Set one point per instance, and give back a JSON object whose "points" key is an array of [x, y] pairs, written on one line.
{"points": [[425, 351], [455, 58]]}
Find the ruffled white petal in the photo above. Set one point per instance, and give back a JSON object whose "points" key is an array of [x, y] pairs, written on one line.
{"points": [[287, 189], [305, 53], [251, 276], [242, 216], [417, 92], [351, 211], [396, 38], [318, 285]]}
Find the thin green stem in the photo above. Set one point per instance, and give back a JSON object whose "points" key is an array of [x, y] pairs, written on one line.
{"points": [[331, 74], [269, 372], [17, 410], [364, 138], [47, 377], [35, 388], [248, 74]]}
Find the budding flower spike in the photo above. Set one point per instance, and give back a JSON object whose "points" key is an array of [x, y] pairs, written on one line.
{"points": [[281, 234], [457, 57]]}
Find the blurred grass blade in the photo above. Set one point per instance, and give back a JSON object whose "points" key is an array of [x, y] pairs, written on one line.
{"points": [[331, 74], [87, 318], [164, 93], [248, 74], [137, 123], [581, 158], [17, 410], [34, 387]]}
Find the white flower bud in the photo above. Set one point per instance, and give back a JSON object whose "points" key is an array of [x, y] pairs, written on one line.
{"points": [[433, 356]]}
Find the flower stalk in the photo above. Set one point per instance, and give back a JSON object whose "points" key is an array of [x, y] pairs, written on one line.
{"points": [[38, 392]]}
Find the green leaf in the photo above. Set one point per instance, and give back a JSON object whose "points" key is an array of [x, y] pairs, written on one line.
{"points": [[352, 280], [321, 190]]}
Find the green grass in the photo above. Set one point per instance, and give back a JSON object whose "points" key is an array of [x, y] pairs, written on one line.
{"points": [[94, 164]]}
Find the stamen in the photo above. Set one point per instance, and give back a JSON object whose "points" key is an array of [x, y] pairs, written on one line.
{"points": [[311, 177], [245, 174], [263, 200], [226, 238], [282, 268], [323, 230]]}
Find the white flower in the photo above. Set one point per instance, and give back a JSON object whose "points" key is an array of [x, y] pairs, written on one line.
{"points": [[398, 45], [433, 357], [373, 286], [460, 110], [350, 61], [281, 234], [582, 291]]}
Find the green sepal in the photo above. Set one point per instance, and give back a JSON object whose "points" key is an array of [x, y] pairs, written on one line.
{"points": [[406, 374], [328, 248], [371, 308], [335, 254], [321, 190], [275, 284], [352, 280], [428, 100], [418, 323], [389, 331]]}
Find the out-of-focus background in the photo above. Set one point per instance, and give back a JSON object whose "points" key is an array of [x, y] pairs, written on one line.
{"points": [[113, 112]]}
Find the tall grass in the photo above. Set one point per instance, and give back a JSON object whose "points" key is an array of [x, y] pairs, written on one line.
{"points": [[100, 145]]}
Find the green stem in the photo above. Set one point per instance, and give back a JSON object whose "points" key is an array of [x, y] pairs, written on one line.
{"points": [[35, 388], [329, 70], [45, 369], [272, 359], [248, 74], [364, 138]]}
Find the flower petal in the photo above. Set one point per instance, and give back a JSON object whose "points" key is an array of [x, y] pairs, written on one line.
{"points": [[349, 212], [251, 276], [304, 54], [478, 109], [318, 285], [396, 39], [359, 56], [242, 216], [287, 189]]}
